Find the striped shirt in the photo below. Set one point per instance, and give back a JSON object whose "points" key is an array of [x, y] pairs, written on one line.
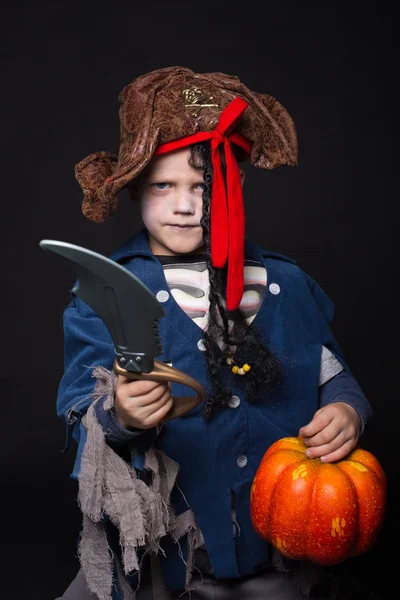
{"points": [[188, 281]]}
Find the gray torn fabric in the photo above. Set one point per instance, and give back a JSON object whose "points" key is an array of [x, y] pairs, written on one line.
{"points": [[95, 564], [142, 513], [185, 524]]}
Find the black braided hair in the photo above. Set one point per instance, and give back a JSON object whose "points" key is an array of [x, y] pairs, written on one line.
{"points": [[266, 372]]}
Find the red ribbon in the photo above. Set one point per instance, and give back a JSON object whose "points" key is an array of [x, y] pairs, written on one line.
{"points": [[227, 211]]}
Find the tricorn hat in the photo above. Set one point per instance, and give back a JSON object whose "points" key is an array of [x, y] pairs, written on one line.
{"points": [[174, 107]]}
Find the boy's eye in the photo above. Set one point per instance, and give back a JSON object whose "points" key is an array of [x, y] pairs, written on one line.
{"points": [[160, 186], [201, 186]]}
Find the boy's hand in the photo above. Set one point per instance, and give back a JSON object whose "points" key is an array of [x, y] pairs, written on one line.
{"points": [[333, 432], [141, 404]]}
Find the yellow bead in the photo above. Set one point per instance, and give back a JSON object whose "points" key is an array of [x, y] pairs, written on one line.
{"points": [[246, 367], [235, 369]]}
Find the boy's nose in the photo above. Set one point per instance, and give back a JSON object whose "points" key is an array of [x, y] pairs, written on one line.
{"points": [[183, 203]]}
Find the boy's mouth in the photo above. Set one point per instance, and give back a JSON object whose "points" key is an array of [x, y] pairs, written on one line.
{"points": [[175, 225]]}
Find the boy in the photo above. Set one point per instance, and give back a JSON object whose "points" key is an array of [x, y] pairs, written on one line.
{"points": [[247, 323]]}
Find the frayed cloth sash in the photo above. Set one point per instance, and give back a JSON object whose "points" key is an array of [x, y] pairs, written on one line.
{"points": [[142, 512]]}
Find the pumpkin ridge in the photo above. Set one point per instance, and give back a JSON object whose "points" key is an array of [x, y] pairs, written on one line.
{"points": [[375, 477], [295, 466], [338, 465], [275, 486], [309, 541]]}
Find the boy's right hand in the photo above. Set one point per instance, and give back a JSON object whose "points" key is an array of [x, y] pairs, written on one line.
{"points": [[142, 404]]}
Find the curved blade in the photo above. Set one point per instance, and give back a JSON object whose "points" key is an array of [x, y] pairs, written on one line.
{"points": [[128, 308]]}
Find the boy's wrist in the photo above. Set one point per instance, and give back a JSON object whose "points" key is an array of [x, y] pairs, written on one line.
{"points": [[114, 431]]}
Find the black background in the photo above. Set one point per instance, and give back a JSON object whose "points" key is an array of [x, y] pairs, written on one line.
{"points": [[333, 66]]}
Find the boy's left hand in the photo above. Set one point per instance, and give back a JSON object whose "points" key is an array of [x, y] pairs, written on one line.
{"points": [[333, 432]]}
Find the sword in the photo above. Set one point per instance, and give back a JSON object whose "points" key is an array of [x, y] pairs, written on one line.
{"points": [[131, 313]]}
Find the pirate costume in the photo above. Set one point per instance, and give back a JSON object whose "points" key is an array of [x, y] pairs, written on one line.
{"points": [[177, 496]]}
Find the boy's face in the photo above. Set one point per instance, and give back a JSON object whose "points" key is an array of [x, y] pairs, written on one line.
{"points": [[170, 195]]}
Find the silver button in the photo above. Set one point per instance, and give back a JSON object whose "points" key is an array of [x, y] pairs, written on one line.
{"points": [[201, 346], [234, 402], [242, 461], [274, 288], [162, 296]]}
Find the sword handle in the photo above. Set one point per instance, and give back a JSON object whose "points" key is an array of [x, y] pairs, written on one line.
{"points": [[163, 372]]}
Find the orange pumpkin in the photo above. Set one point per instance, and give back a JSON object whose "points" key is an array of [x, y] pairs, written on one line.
{"points": [[323, 512]]}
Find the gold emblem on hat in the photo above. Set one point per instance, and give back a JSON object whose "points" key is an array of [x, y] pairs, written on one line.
{"points": [[194, 98]]}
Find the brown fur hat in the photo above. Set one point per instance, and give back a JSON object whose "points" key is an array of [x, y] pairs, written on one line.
{"points": [[171, 103]]}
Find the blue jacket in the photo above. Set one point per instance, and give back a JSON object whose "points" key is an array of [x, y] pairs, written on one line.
{"points": [[219, 458]]}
